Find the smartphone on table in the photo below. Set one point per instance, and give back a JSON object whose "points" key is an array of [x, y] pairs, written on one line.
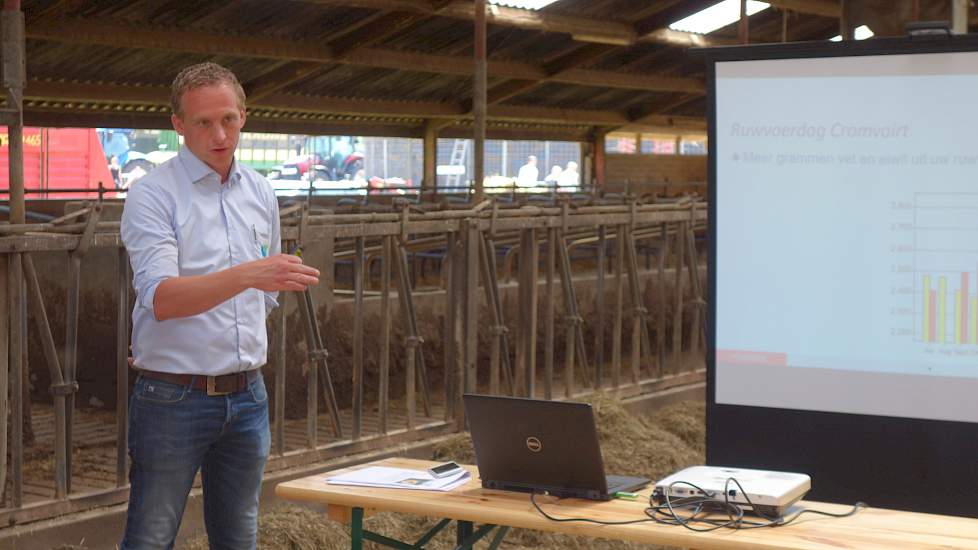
{"points": [[445, 470]]}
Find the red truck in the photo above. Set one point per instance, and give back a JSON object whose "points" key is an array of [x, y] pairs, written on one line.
{"points": [[57, 159]]}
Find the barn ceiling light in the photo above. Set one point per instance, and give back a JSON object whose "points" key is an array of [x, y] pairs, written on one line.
{"points": [[717, 16]]}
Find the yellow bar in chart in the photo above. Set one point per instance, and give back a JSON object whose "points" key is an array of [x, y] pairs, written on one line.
{"points": [[927, 311], [957, 317], [941, 309], [972, 319]]}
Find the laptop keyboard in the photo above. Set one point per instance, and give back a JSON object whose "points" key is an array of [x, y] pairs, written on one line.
{"points": [[624, 483]]}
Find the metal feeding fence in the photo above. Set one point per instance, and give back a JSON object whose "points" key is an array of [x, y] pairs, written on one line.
{"points": [[554, 241]]}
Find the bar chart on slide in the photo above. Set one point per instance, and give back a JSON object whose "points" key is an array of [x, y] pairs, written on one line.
{"points": [[945, 268]]}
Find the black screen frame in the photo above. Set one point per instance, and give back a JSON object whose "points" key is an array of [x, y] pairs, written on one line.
{"points": [[922, 465]]}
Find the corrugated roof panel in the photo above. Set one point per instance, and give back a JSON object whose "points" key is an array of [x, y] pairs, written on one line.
{"points": [[309, 21]]}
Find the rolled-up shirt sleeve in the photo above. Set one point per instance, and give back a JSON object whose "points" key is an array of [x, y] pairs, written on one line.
{"points": [[275, 245], [150, 239]]}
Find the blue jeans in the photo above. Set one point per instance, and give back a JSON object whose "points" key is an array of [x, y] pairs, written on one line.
{"points": [[175, 431]]}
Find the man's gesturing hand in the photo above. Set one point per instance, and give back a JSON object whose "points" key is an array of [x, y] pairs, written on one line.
{"points": [[282, 272]]}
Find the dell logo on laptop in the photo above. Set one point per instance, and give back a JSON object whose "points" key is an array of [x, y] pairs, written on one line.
{"points": [[534, 444]]}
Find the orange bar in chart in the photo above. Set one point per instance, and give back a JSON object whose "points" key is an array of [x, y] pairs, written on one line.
{"points": [[942, 309]]}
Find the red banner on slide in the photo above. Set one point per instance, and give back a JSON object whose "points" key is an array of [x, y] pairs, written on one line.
{"points": [[746, 357]]}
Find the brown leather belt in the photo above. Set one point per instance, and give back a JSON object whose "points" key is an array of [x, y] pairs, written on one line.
{"points": [[214, 385]]}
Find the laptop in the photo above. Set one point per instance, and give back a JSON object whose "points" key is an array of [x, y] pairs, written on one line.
{"points": [[534, 445], [771, 493]]}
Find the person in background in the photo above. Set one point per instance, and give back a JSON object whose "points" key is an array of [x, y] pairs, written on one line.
{"points": [[203, 237], [529, 174], [115, 170], [554, 176], [569, 179]]}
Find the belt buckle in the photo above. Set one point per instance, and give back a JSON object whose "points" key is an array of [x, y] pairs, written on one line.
{"points": [[212, 388]]}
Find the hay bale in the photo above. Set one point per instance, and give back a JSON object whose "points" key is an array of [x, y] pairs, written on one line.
{"points": [[457, 448], [687, 420], [291, 527]]}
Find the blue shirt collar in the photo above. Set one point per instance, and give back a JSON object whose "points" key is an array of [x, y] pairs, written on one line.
{"points": [[197, 170]]}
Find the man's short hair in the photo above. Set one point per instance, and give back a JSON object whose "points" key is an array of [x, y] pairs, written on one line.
{"points": [[200, 75]]}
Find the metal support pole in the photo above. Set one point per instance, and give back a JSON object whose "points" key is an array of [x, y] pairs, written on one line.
{"points": [[661, 301], [18, 328], [122, 371], [587, 166], [619, 306], [499, 351], [571, 321], [383, 397], [318, 372], [318, 356], [599, 309], [640, 331], [458, 329], [471, 304], [70, 386], [698, 324], [600, 161], [479, 98], [548, 315], [677, 320], [59, 389], [429, 185], [528, 307], [312, 385], [358, 279], [14, 76], [279, 320], [448, 336], [519, 357], [404, 292], [637, 317], [496, 329], [5, 349], [410, 378]]}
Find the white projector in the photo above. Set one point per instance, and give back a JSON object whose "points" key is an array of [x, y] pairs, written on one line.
{"points": [[771, 493]]}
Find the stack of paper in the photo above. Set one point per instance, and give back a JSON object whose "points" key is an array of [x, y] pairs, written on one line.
{"points": [[399, 478]]}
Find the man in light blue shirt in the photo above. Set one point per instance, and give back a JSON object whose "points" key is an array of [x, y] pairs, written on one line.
{"points": [[202, 232]]}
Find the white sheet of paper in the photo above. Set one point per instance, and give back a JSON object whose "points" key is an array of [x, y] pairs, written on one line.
{"points": [[399, 478]]}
